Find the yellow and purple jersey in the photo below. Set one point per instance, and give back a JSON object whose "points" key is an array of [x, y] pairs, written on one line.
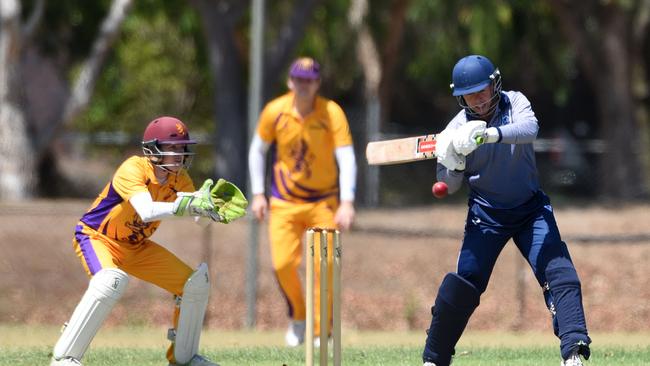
{"points": [[113, 216], [304, 163]]}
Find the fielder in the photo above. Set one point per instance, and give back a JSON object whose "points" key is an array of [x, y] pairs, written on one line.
{"points": [[313, 181], [112, 242], [505, 202]]}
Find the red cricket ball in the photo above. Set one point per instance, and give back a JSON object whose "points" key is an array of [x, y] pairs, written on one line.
{"points": [[440, 190]]}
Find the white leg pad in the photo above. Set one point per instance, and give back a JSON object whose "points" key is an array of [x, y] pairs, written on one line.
{"points": [[192, 311], [105, 288]]}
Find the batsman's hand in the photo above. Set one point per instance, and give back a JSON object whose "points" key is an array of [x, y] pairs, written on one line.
{"points": [[446, 153], [469, 136], [229, 201], [197, 204]]}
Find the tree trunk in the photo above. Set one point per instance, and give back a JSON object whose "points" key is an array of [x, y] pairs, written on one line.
{"points": [[606, 58], [391, 54], [229, 99], [17, 168], [24, 134], [280, 52], [219, 25], [370, 62], [618, 123]]}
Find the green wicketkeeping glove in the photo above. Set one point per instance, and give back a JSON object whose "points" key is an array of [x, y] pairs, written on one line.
{"points": [[228, 200], [198, 203]]}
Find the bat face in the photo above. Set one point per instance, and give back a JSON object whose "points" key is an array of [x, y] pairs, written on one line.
{"points": [[402, 150]]}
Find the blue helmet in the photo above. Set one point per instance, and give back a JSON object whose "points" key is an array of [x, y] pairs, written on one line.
{"points": [[472, 74]]}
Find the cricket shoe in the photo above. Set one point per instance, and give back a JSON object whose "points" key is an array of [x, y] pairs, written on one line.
{"points": [[295, 335], [68, 361], [429, 363], [197, 360], [573, 360], [330, 343]]}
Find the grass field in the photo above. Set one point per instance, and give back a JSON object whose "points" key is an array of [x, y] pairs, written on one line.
{"points": [[119, 346]]}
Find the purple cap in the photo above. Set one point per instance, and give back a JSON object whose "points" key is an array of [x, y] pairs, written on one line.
{"points": [[305, 68]]}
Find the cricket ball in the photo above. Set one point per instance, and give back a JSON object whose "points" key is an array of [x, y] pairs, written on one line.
{"points": [[440, 190]]}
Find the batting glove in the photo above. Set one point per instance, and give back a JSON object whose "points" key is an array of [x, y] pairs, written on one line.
{"points": [[468, 137], [445, 152]]}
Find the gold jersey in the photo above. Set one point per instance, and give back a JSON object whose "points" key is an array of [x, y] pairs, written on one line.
{"points": [[304, 164], [113, 216]]}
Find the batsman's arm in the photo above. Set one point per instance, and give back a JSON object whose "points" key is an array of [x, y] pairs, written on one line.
{"points": [[524, 126], [454, 179]]}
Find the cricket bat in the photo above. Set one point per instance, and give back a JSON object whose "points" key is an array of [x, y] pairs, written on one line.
{"points": [[404, 150]]}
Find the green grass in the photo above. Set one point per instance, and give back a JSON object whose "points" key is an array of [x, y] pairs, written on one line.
{"points": [[123, 346], [389, 356]]}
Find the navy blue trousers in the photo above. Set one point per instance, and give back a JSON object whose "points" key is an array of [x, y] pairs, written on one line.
{"points": [[533, 229]]}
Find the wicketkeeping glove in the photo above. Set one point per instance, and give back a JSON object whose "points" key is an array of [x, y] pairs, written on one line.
{"points": [[198, 203], [229, 201]]}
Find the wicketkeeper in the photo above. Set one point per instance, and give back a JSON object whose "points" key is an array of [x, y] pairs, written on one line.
{"points": [[112, 242], [489, 146]]}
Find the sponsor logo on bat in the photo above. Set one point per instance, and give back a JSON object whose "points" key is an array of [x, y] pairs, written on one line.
{"points": [[426, 145]]}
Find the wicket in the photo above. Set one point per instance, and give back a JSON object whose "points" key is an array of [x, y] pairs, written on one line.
{"points": [[324, 305]]}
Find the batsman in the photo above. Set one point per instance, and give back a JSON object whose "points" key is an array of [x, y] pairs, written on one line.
{"points": [[112, 242], [489, 146]]}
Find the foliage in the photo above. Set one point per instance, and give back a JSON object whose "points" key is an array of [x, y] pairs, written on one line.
{"points": [[158, 68], [160, 63], [155, 71], [69, 26], [520, 37]]}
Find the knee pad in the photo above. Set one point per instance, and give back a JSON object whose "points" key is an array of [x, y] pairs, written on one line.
{"points": [[193, 303], [104, 289], [458, 292], [562, 277]]}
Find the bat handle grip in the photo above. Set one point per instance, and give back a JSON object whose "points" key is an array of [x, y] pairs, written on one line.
{"points": [[479, 140]]}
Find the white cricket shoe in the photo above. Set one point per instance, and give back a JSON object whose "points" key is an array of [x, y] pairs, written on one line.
{"points": [[68, 361], [429, 363], [573, 360], [295, 335], [330, 342], [198, 360]]}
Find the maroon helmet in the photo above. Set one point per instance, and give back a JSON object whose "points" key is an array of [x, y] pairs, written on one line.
{"points": [[167, 131]]}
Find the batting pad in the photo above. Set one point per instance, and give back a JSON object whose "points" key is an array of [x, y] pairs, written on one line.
{"points": [[194, 301], [105, 288]]}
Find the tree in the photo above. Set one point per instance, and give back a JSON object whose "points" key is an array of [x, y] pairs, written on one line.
{"points": [[378, 73], [223, 30], [35, 99], [607, 37], [17, 164]]}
